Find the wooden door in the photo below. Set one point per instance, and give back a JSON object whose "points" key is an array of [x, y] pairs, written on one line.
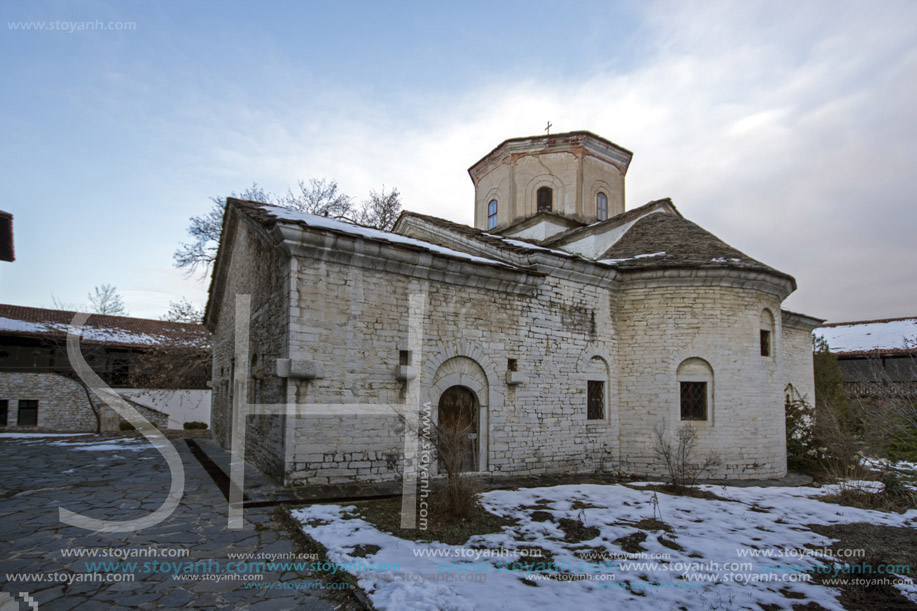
{"points": [[458, 417]]}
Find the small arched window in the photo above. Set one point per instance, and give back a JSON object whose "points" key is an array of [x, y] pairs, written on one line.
{"points": [[545, 199], [695, 389], [766, 336], [596, 391], [601, 206], [492, 214]]}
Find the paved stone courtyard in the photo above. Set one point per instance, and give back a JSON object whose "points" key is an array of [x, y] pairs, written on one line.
{"points": [[120, 479]]}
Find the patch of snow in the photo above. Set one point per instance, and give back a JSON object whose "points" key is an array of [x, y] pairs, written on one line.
{"points": [[37, 435], [134, 445], [883, 464], [725, 260], [324, 222], [613, 261], [530, 246], [767, 544], [869, 336]]}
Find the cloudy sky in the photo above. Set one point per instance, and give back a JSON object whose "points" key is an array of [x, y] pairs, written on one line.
{"points": [[789, 129]]}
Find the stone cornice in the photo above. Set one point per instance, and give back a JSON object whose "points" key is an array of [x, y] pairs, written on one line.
{"points": [[802, 321], [323, 245], [580, 143], [731, 277]]}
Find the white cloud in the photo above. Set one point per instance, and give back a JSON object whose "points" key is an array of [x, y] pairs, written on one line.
{"points": [[786, 129]]}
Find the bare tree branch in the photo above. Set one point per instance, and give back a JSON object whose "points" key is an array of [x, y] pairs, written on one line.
{"points": [[381, 210], [184, 311], [104, 299]]}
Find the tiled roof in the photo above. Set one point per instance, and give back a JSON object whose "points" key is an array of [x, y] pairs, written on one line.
{"points": [[518, 246], [614, 221], [100, 329], [667, 240]]}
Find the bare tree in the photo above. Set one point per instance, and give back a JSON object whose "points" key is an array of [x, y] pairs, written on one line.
{"points": [[205, 231], [317, 196], [104, 299], [381, 210], [184, 311], [59, 304], [321, 197], [457, 499]]}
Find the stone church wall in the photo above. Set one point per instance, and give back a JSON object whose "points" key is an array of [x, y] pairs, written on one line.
{"points": [[798, 360], [662, 326], [355, 321], [259, 270], [352, 318]]}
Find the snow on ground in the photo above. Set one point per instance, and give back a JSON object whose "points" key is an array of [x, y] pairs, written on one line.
{"points": [[37, 435], [883, 464], [733, 557], [103, 445]]}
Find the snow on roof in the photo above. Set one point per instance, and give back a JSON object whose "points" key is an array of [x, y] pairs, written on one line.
{"points": [[867, 336], [325, 222], [530, 246], [614, 261], [101, 329]]}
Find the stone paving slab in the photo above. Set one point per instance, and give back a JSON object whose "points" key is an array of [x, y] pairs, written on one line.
{"points": [[37, 476]]}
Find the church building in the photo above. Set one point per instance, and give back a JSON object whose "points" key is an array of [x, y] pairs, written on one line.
{"points": [[564, 330]]}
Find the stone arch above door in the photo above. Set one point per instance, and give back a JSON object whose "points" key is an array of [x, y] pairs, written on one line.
{"points": [[462, 371], [466, 372]]}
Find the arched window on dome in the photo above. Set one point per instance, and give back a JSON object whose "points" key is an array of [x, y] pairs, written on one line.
{"points": [[492, 214], [601, 206], [545, 198]]}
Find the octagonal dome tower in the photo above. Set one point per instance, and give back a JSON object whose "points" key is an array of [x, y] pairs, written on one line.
{"points": [[539, 186]]}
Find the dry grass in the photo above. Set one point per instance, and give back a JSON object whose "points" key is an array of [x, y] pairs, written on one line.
{"points": [[881, 545], [682, 491], [385, 515]]}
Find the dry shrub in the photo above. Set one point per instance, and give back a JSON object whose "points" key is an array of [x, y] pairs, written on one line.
{"points": [[838, 449], [678, 456], [458, 497]]}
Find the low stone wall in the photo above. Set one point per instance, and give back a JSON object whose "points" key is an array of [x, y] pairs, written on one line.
{"points": [[158, 419], [180, 405], [63, 404]]}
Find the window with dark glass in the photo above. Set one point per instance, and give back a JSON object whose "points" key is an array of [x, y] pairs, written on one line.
{"points": [[693, 400], [545, 199], [765, 342], [28, 412], [120, 372], [4, 411], [601, 206], [595, 400], [492, 214]]}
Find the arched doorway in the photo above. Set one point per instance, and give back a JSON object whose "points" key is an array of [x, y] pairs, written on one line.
{"points": [[459, 425]]}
